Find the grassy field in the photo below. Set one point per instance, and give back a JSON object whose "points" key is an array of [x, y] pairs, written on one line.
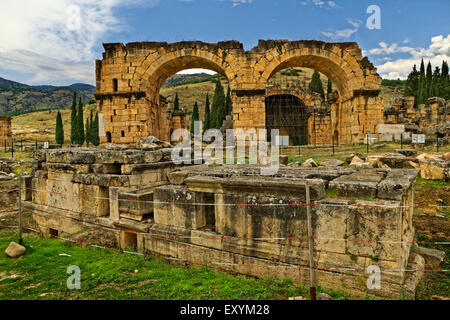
{"points": [[42, 274]]}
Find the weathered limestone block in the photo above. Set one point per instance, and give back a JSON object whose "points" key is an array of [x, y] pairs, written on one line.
{"points": [[94, 200], [135, 204], [106, 168], [104, 180], [331, 216], [407, 152], [433, 169], [432, 257], [363, 183], [124, 157], [69, 156], [396, 184], [373, 228], [173, 205], [331, 163]]}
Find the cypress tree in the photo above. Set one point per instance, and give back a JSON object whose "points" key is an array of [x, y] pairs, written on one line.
{"points": [[412, 84], [195, 117], [87, 130], [435, 84], [218, 106], [91, 134], [329, 88], [176, 103], [422, 86], [80, 124], [207, 122], [73, 120], [429, 81], [229, 104], [444, 82], [59, 130], [95, 139], [316, 84]]}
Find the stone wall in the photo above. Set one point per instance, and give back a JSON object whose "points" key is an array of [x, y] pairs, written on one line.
{"points": [[232, 218], [5, 130]]}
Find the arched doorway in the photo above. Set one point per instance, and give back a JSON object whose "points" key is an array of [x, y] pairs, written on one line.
{"points": [[289, 115]]}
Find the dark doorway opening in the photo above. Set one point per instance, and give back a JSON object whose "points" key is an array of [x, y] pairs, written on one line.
{"points": [[289, 115]]}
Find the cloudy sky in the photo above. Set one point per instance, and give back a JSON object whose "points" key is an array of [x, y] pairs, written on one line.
{"points": [[57, 41]]}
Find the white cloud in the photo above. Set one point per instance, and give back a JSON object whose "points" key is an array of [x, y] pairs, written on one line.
{"points": [[438, 51], [239, 2], [345, 33], [320, 3], [50, 40]]}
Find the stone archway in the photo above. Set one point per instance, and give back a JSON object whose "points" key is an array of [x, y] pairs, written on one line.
{"points": [[129, 77]]}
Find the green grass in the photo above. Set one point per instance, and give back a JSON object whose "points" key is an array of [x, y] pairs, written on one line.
{"points": [[105, 274]]}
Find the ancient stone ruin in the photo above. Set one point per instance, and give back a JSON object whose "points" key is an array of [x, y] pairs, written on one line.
{"points": [[5, 131], [232, 218], [129, 78]]}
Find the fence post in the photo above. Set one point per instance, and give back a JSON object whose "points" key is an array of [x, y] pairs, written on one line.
{"points": [[401, 140], [437, 143], [332, 138], [35, 143], [20, 209], [367, 143], [12, 149], [312, 274]]}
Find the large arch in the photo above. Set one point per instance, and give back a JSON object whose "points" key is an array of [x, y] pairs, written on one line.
{"points": [[129, 78]]}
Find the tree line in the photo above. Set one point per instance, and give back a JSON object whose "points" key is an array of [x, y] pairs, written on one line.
{"points": [[80, 133], [215, 112], [423, 85]]}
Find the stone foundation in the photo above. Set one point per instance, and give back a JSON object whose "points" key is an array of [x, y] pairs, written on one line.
{"points": [[233, 219]]}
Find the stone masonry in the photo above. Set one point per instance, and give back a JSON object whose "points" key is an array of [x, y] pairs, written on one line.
{"points": [[232, 218], [5, 130], [129, 78]]}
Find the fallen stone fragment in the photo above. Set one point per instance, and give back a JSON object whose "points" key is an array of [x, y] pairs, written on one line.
{"points": [[310, 163], [332, 163], [15, 250], [296, 298], [152, 143], [432, 257], [407, 152], [324, 296]]}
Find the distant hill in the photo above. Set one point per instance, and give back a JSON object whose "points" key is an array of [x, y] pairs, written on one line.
{"points": [[17, 98], [182, 79]]}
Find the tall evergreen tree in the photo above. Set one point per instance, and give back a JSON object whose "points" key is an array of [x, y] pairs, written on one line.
{"points": [[91, 121], [218, 106], [59, 130], [87, 131], [176, 103], [95, 139], [429, 81], [316, 84], [229, 104], [412, 84], [329, 88], [445, 82], [436, 83], [422, 85], [207, 121], [73, 120], [195, 117], [80, 124]]}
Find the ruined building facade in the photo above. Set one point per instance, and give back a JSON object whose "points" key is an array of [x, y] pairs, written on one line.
{"points": [[5, 130], [129, 78]]}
